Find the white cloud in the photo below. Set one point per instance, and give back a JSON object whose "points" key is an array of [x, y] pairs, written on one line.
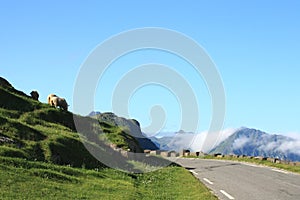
{"points": [[206, 141], [182, 141], [240, 142], [225, 134], [269, 146], [199, 142], [293, 135], [285, 146], [290, 146]]}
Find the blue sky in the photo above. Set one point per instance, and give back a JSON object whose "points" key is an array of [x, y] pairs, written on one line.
{"points": [[255, 46]]}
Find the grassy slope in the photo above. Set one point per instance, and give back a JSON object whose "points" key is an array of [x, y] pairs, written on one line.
{"points": [[43, 133], [22, 179], [30, 168]]}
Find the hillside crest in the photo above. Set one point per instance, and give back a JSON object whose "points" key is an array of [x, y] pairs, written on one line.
{"points": [[36, 131]]}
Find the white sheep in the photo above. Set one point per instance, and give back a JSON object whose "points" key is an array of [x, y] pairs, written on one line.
{"points": [[49, 98], [59, 102]]}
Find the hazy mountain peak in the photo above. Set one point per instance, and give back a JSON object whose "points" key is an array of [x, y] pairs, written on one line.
{"points": [[253, 142]]}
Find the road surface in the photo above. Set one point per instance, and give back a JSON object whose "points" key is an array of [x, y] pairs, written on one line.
{"points": [[242, 181]]}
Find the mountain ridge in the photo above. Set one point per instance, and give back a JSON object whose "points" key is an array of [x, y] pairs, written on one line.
{"points": [[253, 142], [241, 141]]}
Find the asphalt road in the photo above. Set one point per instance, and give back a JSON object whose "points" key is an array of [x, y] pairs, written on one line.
{"points": [[235, 180]]}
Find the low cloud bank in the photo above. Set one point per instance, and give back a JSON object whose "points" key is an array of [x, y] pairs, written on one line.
{"points": [[284, 143], [203, 141], [240, 142], [281, 143]]}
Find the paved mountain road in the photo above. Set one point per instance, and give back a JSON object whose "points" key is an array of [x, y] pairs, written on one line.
{"points": [[235, 180]]}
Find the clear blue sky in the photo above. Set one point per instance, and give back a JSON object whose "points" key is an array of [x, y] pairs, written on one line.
{"points": [[254, 44]]}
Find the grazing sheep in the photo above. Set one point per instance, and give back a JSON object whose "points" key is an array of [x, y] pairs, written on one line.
{"points": [[35, 95], [49, 98], [59, 102]]}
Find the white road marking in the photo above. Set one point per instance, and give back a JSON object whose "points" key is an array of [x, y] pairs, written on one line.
{"points": [[267, 167], [208, 181], [280, 170], [194, 172], [251, 165], [226, 194]]}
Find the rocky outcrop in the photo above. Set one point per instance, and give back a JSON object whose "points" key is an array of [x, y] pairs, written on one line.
{"points": [[130, 126], [6, 85], [5, 140]]}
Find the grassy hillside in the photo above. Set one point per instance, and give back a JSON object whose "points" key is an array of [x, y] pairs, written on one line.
{"points": [[42, 157], [36, 131], [21, 179]]}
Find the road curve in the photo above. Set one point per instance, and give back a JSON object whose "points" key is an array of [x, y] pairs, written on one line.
{"points": [[236, 180]]}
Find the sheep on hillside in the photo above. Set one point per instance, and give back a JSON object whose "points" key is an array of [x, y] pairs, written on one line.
{"points": [[49, 98], [59, 102]]}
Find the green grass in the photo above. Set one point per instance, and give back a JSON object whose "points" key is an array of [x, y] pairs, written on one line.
{"points": [[118, 136], [22, 179], [171, 183], [287, 167], [41, 132], [28, 180]]}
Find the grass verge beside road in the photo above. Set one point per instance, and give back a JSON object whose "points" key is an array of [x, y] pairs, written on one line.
{"points": [[23, 179], [287, 167]]}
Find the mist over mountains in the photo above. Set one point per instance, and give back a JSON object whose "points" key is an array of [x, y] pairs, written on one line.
{"points": [[252, 142], [189, 140], [243, 141]]}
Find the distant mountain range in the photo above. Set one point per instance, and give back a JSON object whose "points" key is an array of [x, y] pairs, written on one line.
{"points": [[174, 141], [243, 141], [94, 113], [252, 142]]}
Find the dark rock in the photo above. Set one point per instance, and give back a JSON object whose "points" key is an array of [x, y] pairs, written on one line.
{"points": [[4, 83]]}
